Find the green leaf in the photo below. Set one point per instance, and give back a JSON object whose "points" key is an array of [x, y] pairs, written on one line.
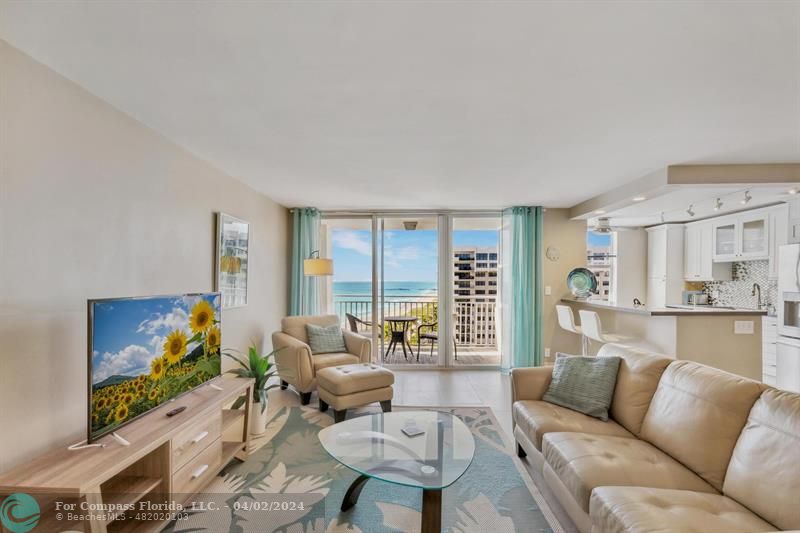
{"points": [[239, 402]]}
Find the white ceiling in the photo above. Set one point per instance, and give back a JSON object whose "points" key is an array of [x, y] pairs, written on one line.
{"points": [[437, 104]]}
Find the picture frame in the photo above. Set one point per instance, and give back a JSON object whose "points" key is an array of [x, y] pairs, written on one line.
{"points": [[232, 260]]}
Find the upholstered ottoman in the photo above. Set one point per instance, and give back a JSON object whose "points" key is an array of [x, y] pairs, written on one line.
{"points": [[344, 387]]}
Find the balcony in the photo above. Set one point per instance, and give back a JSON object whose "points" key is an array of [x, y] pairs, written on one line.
{"points": [[474, 327]]}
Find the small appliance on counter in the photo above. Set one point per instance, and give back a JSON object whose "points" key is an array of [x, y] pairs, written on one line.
{"points": [[695, 298]]}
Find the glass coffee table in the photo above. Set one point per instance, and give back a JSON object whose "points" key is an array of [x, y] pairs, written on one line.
{"points": [[376, 447]]}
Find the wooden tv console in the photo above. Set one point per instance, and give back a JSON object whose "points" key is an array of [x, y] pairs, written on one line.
{"points": [[169, 459]]}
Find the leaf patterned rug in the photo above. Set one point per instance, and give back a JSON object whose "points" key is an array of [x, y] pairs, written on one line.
{"points": [[292, 485]]}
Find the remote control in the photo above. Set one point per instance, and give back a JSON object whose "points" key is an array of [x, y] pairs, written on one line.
{"points": [[177, 410]]}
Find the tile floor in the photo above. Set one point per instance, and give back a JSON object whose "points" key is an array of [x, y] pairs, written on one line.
{"points": [[447, 388]]}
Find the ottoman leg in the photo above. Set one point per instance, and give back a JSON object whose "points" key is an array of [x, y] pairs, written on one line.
{"points": [[322, 405], [305, 397], [386, 406], [284, 385], [339, 415]]}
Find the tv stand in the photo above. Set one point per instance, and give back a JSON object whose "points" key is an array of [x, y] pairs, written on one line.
{"points": [[167, 461]]}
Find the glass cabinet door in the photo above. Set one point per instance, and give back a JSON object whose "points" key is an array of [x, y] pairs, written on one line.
{"points": [[725, 241], [753, 237]]}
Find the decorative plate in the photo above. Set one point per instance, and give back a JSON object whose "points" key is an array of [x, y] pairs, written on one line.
{"points": [[582, 282]]}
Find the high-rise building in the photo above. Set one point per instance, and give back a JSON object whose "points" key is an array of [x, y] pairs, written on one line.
{"points": [[475, 289]]}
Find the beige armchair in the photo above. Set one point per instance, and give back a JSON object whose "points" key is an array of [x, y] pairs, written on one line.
{"points": [[298, 367]]}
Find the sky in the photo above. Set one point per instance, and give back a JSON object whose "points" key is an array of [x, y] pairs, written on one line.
{"points": [[128, 333], [408, 255], [598, 239]]}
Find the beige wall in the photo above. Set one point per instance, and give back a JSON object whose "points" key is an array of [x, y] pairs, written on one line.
{"points": [[94, 204], [569, 236]]}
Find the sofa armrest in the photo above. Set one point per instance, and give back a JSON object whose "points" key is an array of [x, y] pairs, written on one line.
{"points": [[358, 345], [293, 360], [530, 383]]}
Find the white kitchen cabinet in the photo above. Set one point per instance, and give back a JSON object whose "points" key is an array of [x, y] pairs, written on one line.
{"points": [[665, 265], [769, 339], [741, 237], [778, 235], [698, 256]]}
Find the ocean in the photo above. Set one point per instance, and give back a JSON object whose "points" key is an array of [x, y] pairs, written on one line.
{"points": [[362, 290], [400, 297]]}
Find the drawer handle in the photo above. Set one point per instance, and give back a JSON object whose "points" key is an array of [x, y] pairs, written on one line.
{"points": [[200, 437], [199, 472]]}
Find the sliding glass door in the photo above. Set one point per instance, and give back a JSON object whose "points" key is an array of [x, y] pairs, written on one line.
{"points": [[475, 300], [409, 289], [422, 286]]}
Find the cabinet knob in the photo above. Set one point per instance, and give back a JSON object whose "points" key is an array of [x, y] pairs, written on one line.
{"points": [[200, 437]]}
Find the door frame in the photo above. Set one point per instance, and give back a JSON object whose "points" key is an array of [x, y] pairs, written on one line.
{"points": [[444, 277]]}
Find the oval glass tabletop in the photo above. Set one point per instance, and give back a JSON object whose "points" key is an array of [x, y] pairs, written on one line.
{"points": [[375, 446]]}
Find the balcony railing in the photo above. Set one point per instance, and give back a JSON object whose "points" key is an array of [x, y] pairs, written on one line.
{"points": [[474, 318]]}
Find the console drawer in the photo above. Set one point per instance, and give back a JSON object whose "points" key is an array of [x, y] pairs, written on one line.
{"points": [[194, 439], [196, 473]]}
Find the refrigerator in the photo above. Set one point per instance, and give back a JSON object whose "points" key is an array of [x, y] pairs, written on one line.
{"points": [[788, 344]]}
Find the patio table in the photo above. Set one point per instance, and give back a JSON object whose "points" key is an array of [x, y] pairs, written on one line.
{"points": [[398, 327]]}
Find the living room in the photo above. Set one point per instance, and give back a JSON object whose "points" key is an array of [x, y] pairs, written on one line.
{"points": [[318, 266]]}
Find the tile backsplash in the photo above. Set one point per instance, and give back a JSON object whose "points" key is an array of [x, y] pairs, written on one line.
{"points": [[739, 291]]}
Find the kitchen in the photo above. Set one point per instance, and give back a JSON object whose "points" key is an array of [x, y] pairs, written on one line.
{"points": [[717, 282]]}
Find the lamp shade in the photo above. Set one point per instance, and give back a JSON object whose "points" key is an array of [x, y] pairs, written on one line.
{"points": [[318, 267]]}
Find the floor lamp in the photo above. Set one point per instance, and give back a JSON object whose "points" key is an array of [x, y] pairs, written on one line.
{"points": [[315, 267]]}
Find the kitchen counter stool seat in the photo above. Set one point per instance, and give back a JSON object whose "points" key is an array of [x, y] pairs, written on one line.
{"points": [[593, 330], [566, 319]]}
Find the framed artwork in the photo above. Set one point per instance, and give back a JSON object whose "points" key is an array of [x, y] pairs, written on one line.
{"points": [[233, 251]]}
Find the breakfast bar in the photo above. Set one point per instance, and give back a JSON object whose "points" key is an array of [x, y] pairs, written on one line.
{"points": [[723, 337]]}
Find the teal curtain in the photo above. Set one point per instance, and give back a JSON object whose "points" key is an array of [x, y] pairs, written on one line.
{"points": [[521, 333], [304, 292]]}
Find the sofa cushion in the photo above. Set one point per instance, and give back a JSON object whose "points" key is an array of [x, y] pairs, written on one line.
{"points": [[325, 360], [763, 472], [584, 384], [325, 339], [640, 510], [584, 462], [536, 418], [349, 379], [697, 414], [637, 380], [296, 325]]}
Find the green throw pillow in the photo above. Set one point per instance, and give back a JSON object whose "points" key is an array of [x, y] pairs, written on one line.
{"points": [[325, 339], [584, 384]]}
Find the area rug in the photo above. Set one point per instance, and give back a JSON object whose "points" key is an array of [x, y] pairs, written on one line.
{"points": [[291, 484]]}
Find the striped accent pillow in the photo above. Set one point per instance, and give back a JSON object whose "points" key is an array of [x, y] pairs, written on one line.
{"points": [[584, 384], [325, 339]]}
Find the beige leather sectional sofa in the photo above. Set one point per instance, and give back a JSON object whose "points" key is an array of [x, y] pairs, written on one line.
{"points": [[688, 448]]}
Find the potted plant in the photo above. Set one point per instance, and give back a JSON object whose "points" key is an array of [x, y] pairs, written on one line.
{"points": [[259, 368]]}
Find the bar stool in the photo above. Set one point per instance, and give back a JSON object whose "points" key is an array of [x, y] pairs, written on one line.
{"points": [[566, 319], [593, 329]]}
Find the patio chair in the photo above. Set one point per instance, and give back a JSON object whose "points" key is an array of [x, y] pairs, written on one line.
{"points": [[433, 337], [353, 321]]}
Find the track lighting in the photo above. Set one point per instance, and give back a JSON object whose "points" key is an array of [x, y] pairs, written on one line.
{"points": [[746, 198], [718, 205], [690, 211]]}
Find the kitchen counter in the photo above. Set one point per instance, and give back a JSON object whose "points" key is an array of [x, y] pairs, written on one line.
{"points": [[665, 311], [729, 339]]}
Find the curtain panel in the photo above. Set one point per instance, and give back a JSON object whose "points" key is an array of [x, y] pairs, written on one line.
{"points": [[304, 290], [521, 305]]}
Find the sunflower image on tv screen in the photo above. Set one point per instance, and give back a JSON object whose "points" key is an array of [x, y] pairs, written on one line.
{"points": [[146, 351]]}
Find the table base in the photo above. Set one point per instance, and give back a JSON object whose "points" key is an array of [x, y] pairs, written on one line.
{"points": [[431, 504]]}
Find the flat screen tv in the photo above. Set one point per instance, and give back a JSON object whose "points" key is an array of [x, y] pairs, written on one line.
{"points": [[146, 351]]}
